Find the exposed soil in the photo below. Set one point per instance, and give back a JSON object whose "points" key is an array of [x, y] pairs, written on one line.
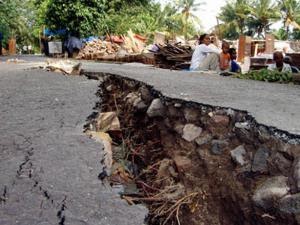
{"points": [[191, 179]]}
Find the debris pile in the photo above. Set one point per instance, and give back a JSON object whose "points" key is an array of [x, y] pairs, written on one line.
{"points": [[173, 56], [98, 49], [114, 48], [195, 164], [63, 66]]}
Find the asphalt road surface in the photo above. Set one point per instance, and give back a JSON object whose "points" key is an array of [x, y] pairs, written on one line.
{"points": [[48, 167], [271, 104]]}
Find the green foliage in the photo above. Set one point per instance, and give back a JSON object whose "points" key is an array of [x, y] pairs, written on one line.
{"points": [[79, 17], [235, 14], [145, 19], [267, 75], [256, 16], [280, 34], [16, 20], [290, 12], [187, 7], [263, 13]]}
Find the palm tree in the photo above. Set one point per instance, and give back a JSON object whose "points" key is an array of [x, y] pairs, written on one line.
{"points": [[187, 8], [263, 14], [290, 12], [235, 13]]}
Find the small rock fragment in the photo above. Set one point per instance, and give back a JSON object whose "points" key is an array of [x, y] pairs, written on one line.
{"points": [[269, 192], [296, 173], [179, 128], [177, 105], [243, 125], [145, 94], [278, 163], [109, 88], [259, 163], [108, 121], [290, 204], [139, 104], [218, 146], [221, 120], [191, 132], [182, 163], [191, 115], [239, 155], [131, 97], [203, 139], [230, 112], [174, 112], [156, 108]]}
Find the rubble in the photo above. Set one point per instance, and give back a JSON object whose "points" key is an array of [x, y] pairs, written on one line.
{"points": [[115, 48], [64, 66], [173, 56], [228, 170], [98, 49]]}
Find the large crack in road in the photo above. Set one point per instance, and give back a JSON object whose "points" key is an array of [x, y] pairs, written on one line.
{"points": [[195, 164], [49, 168]]}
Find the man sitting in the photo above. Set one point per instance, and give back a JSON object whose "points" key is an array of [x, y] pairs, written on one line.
{"points": [[279, 65], [288, 60]]}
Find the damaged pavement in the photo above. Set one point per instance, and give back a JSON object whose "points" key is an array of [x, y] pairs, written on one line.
{"points": [[48, 167], [203, 133]]}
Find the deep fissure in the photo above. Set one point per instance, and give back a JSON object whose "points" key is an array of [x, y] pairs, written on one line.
{"points": [[197, 164]]}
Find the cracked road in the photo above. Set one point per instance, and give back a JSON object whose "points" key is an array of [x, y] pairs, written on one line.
{"points": [[48, 167]]}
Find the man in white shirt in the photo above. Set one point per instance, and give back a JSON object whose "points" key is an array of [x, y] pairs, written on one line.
{"points": [[279, 65], [205, 57]]}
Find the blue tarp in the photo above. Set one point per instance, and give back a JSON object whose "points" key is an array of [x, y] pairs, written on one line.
{"points": [[49, 32], [91, 38]]}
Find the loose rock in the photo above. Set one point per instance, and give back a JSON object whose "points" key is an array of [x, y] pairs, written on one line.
{"points": [[243, 125], [191, 115], [182, 163], [139, 104], [145, 94], [269, 192], [259, 163], [191, 132], [239, 155], [179, 128], [131, 97], [290, 204], [108, 121], [203, 139], [218, 146], [156, 108], [221, 120], [177, 105], [296, 173], [174, 112], [278, 163]]}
